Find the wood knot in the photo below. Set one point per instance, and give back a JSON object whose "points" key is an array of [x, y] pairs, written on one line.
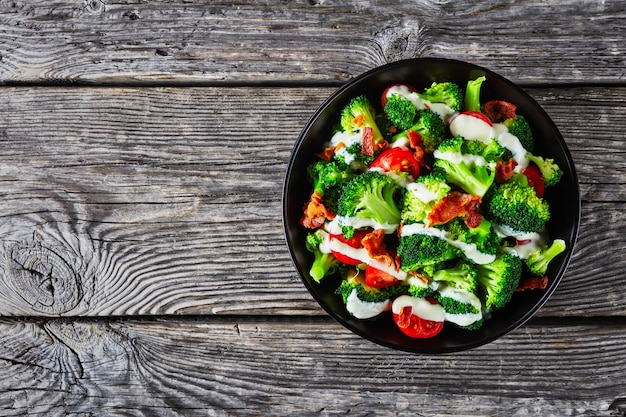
{"points": [[42, 278]]}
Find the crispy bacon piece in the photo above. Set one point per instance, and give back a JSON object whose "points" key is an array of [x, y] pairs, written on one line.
{"points": [[533, 283], [415, 143], [367, 141], [315, 214], [359, 120], [328, 153], [505, 170], [499, 110], [374, 244], [454, 205]]}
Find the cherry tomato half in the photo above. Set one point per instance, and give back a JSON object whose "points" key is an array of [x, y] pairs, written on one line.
{"points": [[376, 278], [383, 97], [354, 241], [414, 326], [534, 178], [400, 159], [478, 115]]}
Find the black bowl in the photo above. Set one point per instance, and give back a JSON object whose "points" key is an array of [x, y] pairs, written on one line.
{"points": [[564, 200]]}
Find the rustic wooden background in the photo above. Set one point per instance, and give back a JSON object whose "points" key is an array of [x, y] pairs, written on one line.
{"points": [[143, 268]]}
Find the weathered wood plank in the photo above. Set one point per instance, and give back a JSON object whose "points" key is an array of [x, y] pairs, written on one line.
{"points": [[248, 41], [300, 367], [130, 201]]}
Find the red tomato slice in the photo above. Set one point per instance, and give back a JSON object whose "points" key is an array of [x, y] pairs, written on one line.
{"points": [[478, 115], [400, 159], [354, 241], [376, 278], [383, 97], [535, 179], [414, 326]]}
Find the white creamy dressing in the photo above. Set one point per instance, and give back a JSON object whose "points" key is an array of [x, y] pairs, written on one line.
{"points": [[365, 309], [422, 192], [531, 242], [457, 157], [362, 223], [469, 249], [512, 143], [441, 109], [420, 307], [471, 128], [463, 297]]}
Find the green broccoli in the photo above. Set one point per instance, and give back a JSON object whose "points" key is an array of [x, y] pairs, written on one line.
{"points": [[419, 250], [516, 205], [422, 196], [352, 158], [419, 289], [429, 126], [491, 151], [474, 180], [327, 174], [551, 173], [461, 276], [400, 111], [448, 93], [472, 94], [538, 261], [366, 293], [324, 261], [484, 236], [371, 198], [359, 114], [498, 280], [518, 126]]}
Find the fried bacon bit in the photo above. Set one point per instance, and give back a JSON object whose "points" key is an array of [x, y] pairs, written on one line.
{"points": [[376, 248], [533, 283], [415, 143], [359, 120], [367, 141], [454, 205], [499, 110], [421, 276], [505, 170], [315, 214], [328, 153]]}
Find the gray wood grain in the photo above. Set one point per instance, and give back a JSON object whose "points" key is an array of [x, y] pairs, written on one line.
{"points": [[133, 201], [102, 41], [301, 368]]}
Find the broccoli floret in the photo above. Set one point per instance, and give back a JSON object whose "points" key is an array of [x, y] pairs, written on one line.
{"points": [[453, 304], [491, 151], [353, 158], [461, 276], [325, 175], [419, 250], [366, 293], [422, 196], [518, 126], [472, 94], [400, 111], [385, 125], [484, 236], [551, 173], [538, 261], [516, 205], [430, 127], [324, 262], [448, 93], [419, 289], [359, 114], [370, 197], [498, 280], [474, 326], [474, 180]]}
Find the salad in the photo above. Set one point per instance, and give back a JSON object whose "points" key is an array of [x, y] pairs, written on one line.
{"points": [[429, 206]]}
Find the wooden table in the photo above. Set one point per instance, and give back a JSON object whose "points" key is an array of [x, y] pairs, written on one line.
{"points": [[143, 268]]}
